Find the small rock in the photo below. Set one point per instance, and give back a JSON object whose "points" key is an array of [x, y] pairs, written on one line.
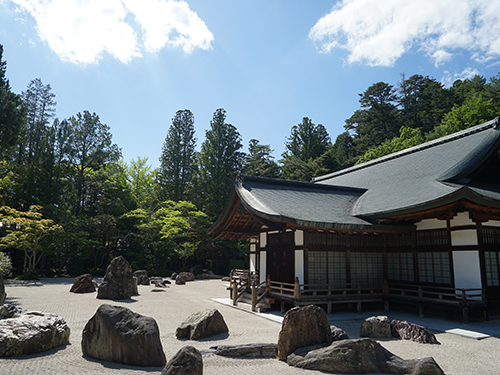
{"points": [[411, 331], [142, 277], [377, 327], [118, 282], [83, 284], [247, 350], [339, 334], [202, 324], [187, 361], [174, 276], [179, 280], [188, 276]]}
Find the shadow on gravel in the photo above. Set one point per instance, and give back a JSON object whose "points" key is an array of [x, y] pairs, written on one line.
{"points": [[120, 366], [38, 355]]}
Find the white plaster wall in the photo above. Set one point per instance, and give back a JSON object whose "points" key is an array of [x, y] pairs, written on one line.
{"points": [[263, 267], [431, 224], [467, 269], [253, 260], [467, 237], [263, 240], [299, 265], [299, 238], [492, 223], [462, 218], [253, 248]]}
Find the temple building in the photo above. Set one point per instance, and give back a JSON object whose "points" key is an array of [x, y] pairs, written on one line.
{"points": [[418, 226]]}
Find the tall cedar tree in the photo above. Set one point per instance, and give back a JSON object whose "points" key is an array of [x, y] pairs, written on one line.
{"points": [[92, 148], [220, 162], [259, 161], [177, 160], [12, 113], [306, 149]]}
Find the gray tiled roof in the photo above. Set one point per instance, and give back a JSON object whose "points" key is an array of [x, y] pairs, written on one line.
{"points": [[300, 203], [421, 176]]}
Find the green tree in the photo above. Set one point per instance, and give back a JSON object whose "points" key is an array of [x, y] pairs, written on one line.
{"points": [[142, 180], [342, 154], [28, 232], [305, 152], [219, 163], [12, 113], [91, 148], [408, 138], [377, 121], [475, 110], [178, 158], [423, 102], [259, 161]]}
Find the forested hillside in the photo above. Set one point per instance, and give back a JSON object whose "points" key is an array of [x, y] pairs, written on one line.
{"points": [[69, 203]]}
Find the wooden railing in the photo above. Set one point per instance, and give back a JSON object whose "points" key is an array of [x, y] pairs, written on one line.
{"points": [[300, 294]]}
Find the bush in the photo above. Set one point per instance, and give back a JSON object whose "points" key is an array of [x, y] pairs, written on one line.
{"points": [[5, 265]]}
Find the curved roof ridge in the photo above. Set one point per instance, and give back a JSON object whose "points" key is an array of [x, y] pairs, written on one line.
{"points": [[473, 130]]}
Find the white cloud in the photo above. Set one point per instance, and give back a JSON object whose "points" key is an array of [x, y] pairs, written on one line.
{"points": [[377, 33], [81, 31], [467, 73]]}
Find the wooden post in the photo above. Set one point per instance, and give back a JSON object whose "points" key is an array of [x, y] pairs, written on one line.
{"points": [[254, 296], [465, 308], [235, 294], [296, 289], [268, 284]]}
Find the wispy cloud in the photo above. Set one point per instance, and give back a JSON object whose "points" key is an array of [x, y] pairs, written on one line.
{"points": [[82, 31], [377, 33]]}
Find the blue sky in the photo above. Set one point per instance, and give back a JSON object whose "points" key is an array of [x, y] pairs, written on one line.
{"points": [[267, 63]]}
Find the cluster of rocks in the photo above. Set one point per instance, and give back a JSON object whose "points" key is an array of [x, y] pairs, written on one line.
{"points": [[315, 348], [380, 327]]}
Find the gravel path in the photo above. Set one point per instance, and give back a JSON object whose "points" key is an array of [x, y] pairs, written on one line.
{"points": [[455, 355]]}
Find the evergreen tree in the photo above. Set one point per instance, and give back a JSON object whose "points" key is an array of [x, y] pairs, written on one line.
{"points": [[219, 163], [377, 121], [305, 153], [12, 113], [177, 159], [259, 161]]}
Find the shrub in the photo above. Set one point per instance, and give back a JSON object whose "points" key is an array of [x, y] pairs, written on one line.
{"points": [[5, 265]]}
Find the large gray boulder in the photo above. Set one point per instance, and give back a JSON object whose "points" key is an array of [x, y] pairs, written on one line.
{"points": [[119, 335], [411, 331], [32, 332], [376, 327], [303, 326], [187, 361], [360, 356], [118, 282], [3, 295], [202, 324], [83, 284]]}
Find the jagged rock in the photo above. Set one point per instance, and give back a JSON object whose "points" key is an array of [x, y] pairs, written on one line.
{"points": [[187, 361], [303, 326], [142, 277], [376, 327], [188, 276], [161, 284], [32, 332], [119, 335], [339, 334], [179, 280], [10, 311], [202, 324], [411, 331], [247, 350], [360, 356], [118, 282], [3, 295], [83, 284]]}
